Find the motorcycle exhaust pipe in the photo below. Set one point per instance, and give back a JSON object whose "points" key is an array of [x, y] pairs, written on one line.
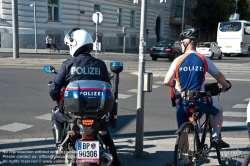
{"points": [[106, 159]]}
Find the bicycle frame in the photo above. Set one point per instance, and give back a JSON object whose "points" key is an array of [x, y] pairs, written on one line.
{"points": [[206, 124]]}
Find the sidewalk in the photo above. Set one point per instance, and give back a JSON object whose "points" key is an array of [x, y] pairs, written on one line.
{"points": [[43, 51], [157, 151]]}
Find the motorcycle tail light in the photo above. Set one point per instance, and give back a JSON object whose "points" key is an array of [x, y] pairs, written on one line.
{"points": [[87, 122], [191, 110], [85, 137]]}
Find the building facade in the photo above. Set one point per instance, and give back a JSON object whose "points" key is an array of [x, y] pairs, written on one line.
{"points": [[57, 17]]}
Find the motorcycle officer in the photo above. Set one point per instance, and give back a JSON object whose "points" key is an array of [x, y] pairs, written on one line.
{"points": [[80, 45]]}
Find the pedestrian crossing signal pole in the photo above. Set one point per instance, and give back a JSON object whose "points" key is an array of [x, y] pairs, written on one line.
{"points": [[140, 94], [15, 29]]}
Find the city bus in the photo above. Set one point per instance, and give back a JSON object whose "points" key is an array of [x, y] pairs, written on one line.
{"points": [[234, 37]]}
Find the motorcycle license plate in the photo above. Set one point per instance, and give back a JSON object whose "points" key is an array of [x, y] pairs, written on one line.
{"points": [[87, 152]]}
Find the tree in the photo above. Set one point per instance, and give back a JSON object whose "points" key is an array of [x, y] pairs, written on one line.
{"points": [[242, 10], [210, 12]]}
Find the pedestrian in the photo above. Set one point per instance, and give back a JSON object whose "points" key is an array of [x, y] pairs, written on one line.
{"points": [[54, 46], [47, 43]]}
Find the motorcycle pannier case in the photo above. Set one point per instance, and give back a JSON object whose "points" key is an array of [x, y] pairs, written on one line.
{"points": [[88, 96]]}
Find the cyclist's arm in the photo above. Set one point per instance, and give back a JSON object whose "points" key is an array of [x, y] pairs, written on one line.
{"points": [[222, 80], [212, 69], [170, 76]]}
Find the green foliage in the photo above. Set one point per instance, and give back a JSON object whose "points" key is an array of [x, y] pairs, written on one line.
{"points": [[242, 9], [213, 11]]}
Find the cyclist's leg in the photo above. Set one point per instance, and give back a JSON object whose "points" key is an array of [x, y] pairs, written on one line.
{"points": [[216, 122], [217, 119], [182, 116]]}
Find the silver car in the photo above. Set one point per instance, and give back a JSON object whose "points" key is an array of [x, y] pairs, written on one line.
{"points": [[209, 49]]}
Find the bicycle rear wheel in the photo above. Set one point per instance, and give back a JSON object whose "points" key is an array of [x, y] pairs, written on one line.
{"points": [[186, 146]]}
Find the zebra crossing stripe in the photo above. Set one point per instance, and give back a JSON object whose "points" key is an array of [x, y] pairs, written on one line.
{"points": [[44, 117], [123, 96], [248, 99], [133, 90], [240, 106], [159, 82], [234, 124], [14, 127], [155, 86], [235, 114]]}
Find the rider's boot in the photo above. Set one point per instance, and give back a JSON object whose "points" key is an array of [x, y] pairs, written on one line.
{"points": [[109, 142], [58, 137], [218, 142]]}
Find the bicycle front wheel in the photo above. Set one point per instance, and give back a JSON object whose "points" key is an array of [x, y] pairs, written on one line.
{"points": [[186, 146]]}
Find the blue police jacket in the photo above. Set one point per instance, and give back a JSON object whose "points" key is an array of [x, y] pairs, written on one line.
{"points": [[82, 67]]}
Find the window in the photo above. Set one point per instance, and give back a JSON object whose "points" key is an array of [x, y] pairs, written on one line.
{"points": [[230, 27], [246, 29], [132, 19], [120, 41], [133, 41], [56, 39], [53, 10], [97, 8], [119, 17]]}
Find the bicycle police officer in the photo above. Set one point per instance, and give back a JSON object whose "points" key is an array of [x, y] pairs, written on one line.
{"points": [[187, 75]]}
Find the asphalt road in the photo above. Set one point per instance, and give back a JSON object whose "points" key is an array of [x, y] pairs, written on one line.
{"points": [[25, 100]]}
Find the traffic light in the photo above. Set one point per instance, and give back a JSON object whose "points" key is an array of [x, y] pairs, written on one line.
{"points": [[124, 29], [163, 1]]}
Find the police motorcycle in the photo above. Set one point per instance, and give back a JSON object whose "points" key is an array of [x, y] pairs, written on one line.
{"points": [[86, 103]]}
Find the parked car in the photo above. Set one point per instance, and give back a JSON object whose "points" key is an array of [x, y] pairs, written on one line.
{"points": [[165, 49], [209, 49]]}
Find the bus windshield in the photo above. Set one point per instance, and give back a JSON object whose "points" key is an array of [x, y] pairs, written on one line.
{"points": [[230, 26]]}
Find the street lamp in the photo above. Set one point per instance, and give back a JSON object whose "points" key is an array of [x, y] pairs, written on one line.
{"points": [[34, 4]]}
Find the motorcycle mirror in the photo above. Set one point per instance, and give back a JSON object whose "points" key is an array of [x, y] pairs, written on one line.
{"points": [[49, 69]]}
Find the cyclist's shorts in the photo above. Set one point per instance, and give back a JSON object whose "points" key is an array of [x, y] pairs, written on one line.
{"points": [[182, 112]]}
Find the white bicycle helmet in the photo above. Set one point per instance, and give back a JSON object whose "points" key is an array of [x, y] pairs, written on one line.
{"points": [[79, 41]]}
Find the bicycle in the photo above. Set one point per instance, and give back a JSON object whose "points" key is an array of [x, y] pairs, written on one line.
{"points": [[183, 154]]}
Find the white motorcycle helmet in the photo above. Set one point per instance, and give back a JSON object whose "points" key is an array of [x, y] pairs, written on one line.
{"points": [[79, 41]]}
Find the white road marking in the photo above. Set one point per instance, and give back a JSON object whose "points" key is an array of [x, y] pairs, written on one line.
{"points": [[155, 86], [234, 124], [44, 117], [123, 96], [14, 127], [235, 114], [133, 90], [159, 82], [240, 106], [248, 99]]}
